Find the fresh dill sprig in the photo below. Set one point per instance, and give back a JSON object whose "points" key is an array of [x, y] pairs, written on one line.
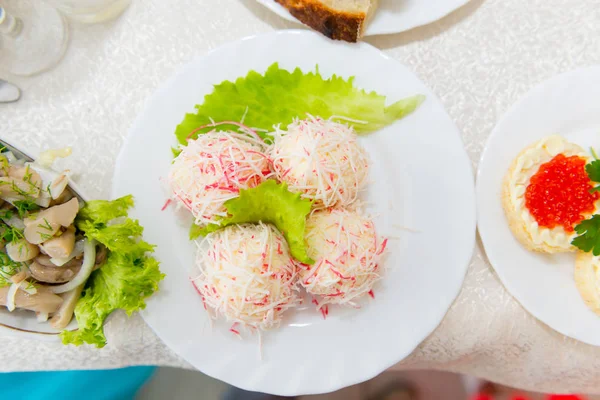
{"points": [[9, 234], [4, 164], [8, 268], [46, 225], [45, 236], [22, 192], [6, 213], [25, 206], [30, 285]]}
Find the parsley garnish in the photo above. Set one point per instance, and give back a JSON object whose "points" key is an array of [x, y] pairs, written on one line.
{"points": [[593, 172], [589, 235], [589, 229]]}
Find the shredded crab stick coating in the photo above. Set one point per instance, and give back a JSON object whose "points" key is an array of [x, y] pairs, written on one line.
{"points": [[322, 160], [212, 169], [247, 275], [347, 253]]}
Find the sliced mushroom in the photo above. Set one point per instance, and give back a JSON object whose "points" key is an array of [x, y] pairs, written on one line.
{"points": [[26, 174], [54, 274], [19, 277], [12, 189], [15, 222], [44, 199], [58, 185], [65, 196], [45, 261], [39, 230], [21, 250], [44, 301], [63, 316], [63, 214], [46, 223], [60, 246]]}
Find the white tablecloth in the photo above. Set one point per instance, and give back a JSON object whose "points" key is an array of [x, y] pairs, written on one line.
{"points": [[479, 61]]}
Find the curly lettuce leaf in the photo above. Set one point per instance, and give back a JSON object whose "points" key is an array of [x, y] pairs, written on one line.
{"points": [[128, 276], [273, 203], [121, 237], [196, 231], [102, 211], [279, 96]]}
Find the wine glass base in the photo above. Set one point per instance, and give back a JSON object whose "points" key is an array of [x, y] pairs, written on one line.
{"points": [[41, 42], [91, 12]]}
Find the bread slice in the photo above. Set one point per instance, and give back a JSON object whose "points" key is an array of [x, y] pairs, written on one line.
{"points": [[336, 19], [587, 280]]}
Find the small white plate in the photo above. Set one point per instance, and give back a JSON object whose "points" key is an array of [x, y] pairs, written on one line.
{"points": [[392, 16], [421, 179], [566, 105]]}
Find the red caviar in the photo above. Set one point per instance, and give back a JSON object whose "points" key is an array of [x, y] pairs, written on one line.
{"points": [[559, 193]]}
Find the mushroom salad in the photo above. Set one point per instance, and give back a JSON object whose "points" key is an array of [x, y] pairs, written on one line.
{"points": [[51, 244]]}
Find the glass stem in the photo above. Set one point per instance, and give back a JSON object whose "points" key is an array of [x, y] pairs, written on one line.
{"points": [[9, 25]]}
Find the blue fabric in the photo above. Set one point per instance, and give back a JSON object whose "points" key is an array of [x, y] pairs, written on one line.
{"points": [[115, 384]]}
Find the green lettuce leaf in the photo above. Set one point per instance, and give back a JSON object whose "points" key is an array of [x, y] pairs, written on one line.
{"points": [[196, 231], [128, 276], [120, 237], [279, 96], [102, 211], [273, 203]]}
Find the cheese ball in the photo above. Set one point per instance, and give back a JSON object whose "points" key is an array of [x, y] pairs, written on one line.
{"points": [[247, 275], [213, 169], [322, 160], [347, 253]]}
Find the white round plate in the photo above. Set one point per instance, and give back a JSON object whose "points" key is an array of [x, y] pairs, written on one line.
{"points": [[392, 16], [421, 179], [567, 105]]}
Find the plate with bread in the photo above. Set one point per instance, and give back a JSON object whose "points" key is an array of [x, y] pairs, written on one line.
{"points": [[350, 20], [538, 196]]}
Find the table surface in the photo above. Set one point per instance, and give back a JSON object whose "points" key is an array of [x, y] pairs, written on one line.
{"points": [[479, 61]]}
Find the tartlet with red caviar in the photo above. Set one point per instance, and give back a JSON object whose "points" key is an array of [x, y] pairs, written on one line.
{"points": [[547, 193]]}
